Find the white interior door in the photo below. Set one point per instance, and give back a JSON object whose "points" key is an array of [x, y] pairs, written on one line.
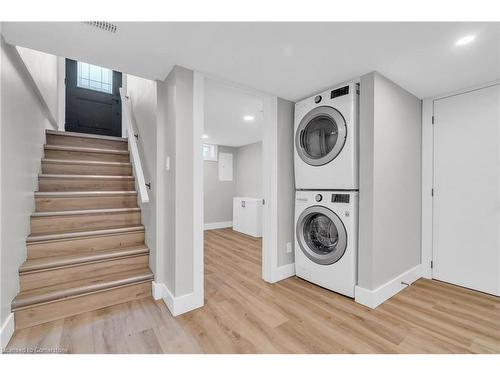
{"points": [[466, 223]]}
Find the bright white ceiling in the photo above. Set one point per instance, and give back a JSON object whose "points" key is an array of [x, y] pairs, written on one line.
{"points": [[291, 60], [225, 107]]}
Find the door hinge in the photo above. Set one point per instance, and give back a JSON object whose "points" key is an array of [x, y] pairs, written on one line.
{"points": [[432, 120], [432, 192], [65, 81], [263, 202], [432, 264]]}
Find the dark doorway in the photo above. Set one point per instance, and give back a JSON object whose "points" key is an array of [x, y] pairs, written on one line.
{"points": [[93, 102]]}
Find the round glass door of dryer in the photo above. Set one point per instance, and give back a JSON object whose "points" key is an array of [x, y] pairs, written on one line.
{"points": [[321, 235], [321, 136]]}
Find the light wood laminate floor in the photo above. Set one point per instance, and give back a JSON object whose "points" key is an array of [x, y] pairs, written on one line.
{"points": [[243, 314]]}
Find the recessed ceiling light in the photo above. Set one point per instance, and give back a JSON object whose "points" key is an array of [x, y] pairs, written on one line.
{"points": [[248, 118], [205, 136], [465, 40]]}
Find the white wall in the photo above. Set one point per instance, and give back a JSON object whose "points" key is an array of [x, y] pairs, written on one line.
{"points": [[427, 182], [175, 137], [4, 321], [366, 176], [42, 68], [248, 177], [165, 180], [143, 96], [218, 195], [286, 181], [390, 203], [23, 123], [184, 181]]}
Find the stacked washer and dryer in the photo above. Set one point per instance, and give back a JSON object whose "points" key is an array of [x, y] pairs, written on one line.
{"points": [[326, 179]]}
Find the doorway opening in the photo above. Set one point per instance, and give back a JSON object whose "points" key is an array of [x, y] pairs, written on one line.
{"points": [[92, 99], [269, 271], [233, 187]]}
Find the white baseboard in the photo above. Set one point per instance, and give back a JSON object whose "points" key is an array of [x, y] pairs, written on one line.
{"points": [[283, 272], [218, 225], [156, 290], [373, 298], [177, 305], [7, 331]]}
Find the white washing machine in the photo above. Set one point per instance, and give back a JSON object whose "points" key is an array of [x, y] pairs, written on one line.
{"points": [[326, 139], [326, 239]]}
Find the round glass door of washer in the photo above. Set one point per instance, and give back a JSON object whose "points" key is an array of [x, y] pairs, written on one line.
{"points": [[321, 235]]}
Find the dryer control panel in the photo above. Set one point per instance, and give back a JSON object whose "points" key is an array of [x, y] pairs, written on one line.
{"points": [[339, 92], [340, 198]]}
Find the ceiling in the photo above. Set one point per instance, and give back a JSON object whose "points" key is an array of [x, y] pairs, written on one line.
{"points": [[291, 60], [225, 107]]}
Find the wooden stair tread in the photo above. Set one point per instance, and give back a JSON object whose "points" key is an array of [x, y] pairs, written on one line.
{"points": [[86, 176], [86, 162], [86, 149], [38, 264], [82, 194], [85, 135], [80, 287], [84, 233], [85, 212]]}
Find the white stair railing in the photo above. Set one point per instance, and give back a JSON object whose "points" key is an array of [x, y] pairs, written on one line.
{"points": [[134, 150]]}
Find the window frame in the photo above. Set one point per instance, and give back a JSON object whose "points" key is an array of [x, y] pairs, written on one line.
{"points": [[80, 78], [213, 154]]}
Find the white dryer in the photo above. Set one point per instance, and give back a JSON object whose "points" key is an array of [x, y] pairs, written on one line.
{"points": [[326, 239], [326, 139]]}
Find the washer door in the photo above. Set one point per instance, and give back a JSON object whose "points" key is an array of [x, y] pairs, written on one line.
{"points": [[321, 136], [321, 235]]}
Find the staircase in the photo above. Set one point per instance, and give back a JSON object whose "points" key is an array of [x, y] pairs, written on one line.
{"points": [[86, 249]]}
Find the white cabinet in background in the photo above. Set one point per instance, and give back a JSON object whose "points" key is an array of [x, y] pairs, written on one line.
{"points": [[247, 216]]}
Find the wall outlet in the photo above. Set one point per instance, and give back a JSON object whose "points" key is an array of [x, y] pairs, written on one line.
{"points": [[288, 247]]}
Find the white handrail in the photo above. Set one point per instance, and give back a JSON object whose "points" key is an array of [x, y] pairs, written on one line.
{"points": [[134, 151]]}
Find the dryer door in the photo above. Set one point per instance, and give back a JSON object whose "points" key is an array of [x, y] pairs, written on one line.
{"points": [[320, 136], [321, 235]]}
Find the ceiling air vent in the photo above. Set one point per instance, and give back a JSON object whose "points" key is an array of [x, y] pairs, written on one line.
{"points": [[103, 25]]}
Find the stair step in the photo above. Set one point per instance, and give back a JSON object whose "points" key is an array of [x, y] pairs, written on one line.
{"points": [[38, 273], [89, 167], [67, 182], [85, 153], [70, 243], [59, 221], [63, 138], [74, 200], [58, 301], [85, 233], [78, 287], [55, 262]]}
